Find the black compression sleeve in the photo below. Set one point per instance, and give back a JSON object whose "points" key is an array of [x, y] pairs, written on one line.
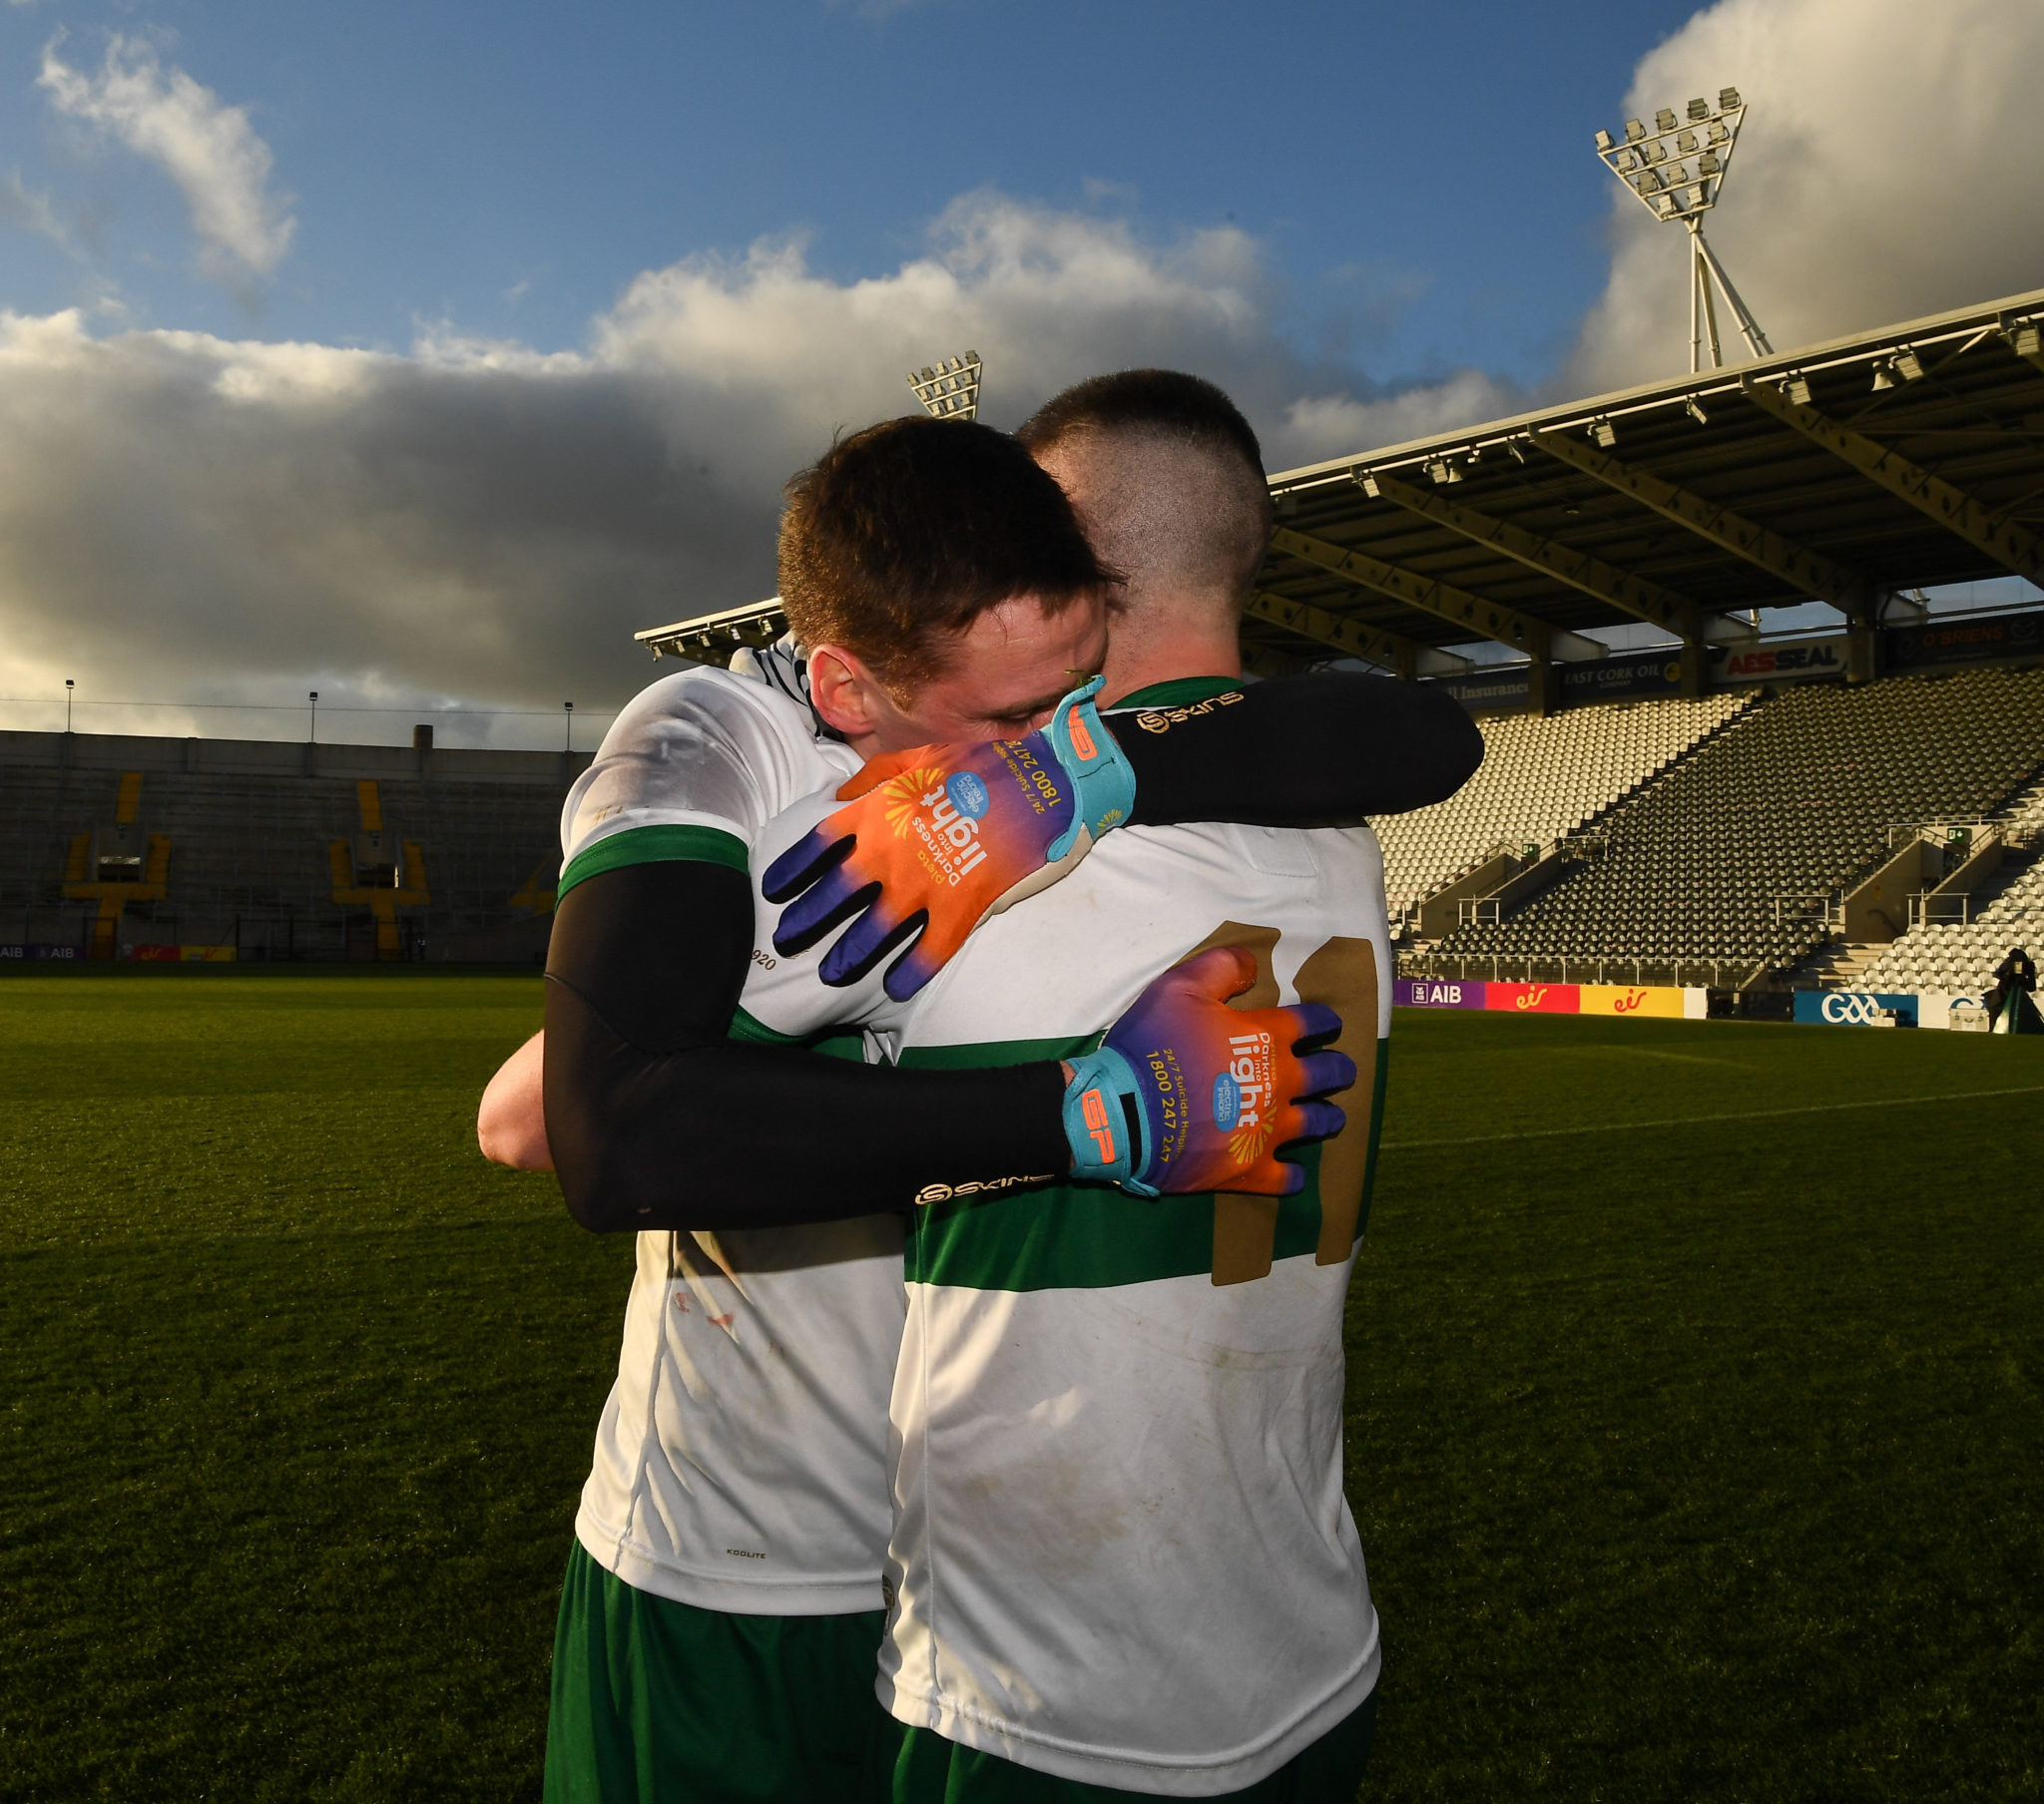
{"points": [[1319, 750], [656, 1121]]}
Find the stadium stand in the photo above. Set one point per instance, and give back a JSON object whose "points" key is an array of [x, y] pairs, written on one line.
{"points": [[1734, 863], [278, 850], [1960, 956], [1542, 779]]}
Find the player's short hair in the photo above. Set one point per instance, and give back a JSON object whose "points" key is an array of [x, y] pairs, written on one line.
{"points": [[1192, 504], [1167, 402], [900, 537]]}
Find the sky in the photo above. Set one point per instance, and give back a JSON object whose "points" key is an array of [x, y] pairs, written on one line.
{"points": [[420, 357]]}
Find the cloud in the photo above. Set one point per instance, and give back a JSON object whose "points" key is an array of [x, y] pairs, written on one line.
{"points": [[1886, 170], [30, 209], [208, 149], [232, 520], [1338, 423]]}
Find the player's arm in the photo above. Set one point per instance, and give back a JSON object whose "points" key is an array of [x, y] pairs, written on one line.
{"points": [[511, 1124], [1320, 750], [933, 840], [656, 1120]]}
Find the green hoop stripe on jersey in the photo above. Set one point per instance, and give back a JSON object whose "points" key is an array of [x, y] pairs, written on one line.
{"points": [[652, 845], [1085, 1236], [831, 1042]]}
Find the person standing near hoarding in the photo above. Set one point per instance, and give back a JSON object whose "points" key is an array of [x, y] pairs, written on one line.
{"points": [[2010, 1008]]}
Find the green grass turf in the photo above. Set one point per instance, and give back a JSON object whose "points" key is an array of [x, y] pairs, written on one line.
{"points": [[1696, 1461], [297, 1392], [1703, 1461]]}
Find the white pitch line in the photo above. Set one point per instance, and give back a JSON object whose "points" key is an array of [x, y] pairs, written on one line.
{"points": [[1692, 1121]]}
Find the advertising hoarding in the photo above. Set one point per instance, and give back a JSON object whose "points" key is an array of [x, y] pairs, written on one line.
{"points": [[1656, 1000], [1438, 991], [1855, 1009], [1789, 661], [1487, 693], [1964, 642], [1621, 679], [1535, 999]]}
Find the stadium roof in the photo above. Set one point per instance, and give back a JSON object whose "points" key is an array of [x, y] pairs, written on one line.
{"points": [[1842, 472]]}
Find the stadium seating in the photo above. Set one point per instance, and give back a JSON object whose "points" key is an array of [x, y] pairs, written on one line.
{"points": [[1735, 857], [1540, 780], [1961, 959], [249, 824]]}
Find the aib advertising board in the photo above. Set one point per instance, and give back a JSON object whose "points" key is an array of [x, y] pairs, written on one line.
{"points": [[1664, 1002]]}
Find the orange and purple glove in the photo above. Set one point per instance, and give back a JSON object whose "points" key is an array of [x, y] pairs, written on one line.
{"points": [[1185, 1094], [943, 836]]}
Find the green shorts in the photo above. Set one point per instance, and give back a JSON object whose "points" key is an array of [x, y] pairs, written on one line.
{"points": [[930, 1770], [654, 1700]]}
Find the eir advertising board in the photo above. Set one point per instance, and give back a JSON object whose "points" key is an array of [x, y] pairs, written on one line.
{"points": [[1633, 999], [1532, 999], [1649, 1000]]}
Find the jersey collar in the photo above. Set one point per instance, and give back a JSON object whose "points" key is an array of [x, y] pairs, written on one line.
{"points": [[1178, 690]]}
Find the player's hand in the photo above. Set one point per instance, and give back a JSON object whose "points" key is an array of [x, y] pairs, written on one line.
{"points": [[940, 838], [1187, 1095]]}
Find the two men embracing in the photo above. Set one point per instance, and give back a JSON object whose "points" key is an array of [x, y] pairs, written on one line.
{"points": [[992, 1079]]}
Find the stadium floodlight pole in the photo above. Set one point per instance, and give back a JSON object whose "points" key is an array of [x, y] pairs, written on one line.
{"points": [[1677, 171], [69, 685], [949, 391], [568, 713], [312, 732]]}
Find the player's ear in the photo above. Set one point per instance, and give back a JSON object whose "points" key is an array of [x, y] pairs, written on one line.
{"points": [[847, 694]]}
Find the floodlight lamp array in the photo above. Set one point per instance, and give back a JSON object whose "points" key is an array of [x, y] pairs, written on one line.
{"points": [[1678, 168], [949, 391]]}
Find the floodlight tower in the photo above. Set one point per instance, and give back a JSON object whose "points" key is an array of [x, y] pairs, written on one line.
{"points": [[1678, 172], [950, 390]]}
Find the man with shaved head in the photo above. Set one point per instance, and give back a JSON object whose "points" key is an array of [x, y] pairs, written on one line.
{"points": [[1122, 1561], [1157, 467]]}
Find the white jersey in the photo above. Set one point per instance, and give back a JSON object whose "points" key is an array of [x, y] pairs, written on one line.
{"points": [[1121, 1553], [741, 1461]]}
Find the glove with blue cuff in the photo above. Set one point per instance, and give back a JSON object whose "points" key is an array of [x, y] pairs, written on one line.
{"points": [[1185, 1094]]}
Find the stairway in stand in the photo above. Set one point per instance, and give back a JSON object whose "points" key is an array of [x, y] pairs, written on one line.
{"points": [[1837, 966]]}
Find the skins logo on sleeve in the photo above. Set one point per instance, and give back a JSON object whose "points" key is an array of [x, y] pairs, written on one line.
{"points": [[1163, 719], [944, 1192]]}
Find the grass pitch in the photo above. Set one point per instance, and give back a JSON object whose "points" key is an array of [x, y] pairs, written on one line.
{"points": [[1695, 1427]]}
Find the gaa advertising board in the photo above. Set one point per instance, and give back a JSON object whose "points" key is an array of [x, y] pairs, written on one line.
{"points": [[1813, 1008], [1855, 1009]]}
